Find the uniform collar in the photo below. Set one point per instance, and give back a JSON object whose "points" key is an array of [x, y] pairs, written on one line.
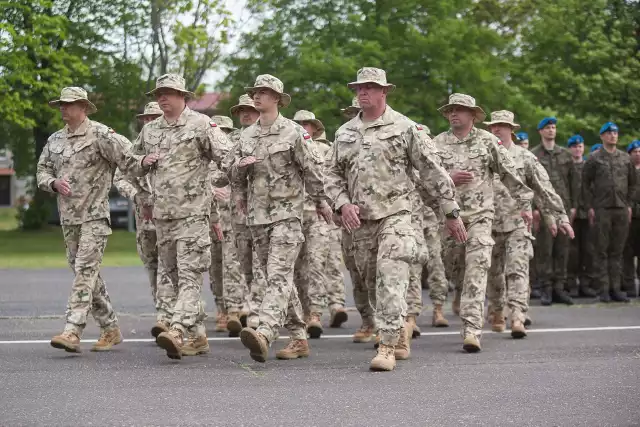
{"points": [[471, 135], [182, 119], [82, 129], [275, 127], [387, 118]]}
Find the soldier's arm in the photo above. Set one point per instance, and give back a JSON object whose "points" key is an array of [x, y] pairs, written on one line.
{"points": [[503, 165], [214, 144], [311, 163], [336, 181], [124, 184], [238, 177], [546, 198], [574, 187], [632, 190], [588, 176], [435, 180], [118, 151], [46, 173]]}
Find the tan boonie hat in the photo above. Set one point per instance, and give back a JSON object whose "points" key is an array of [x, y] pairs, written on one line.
{"points": [[308, 116], [74, 94], [464, 101], [223, 122], [151, 109], [243, 101], [171, 81], [354, 108], [372, 75], [270, 82], [503, 116]]}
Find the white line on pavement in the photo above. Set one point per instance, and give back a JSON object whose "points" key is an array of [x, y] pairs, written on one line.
{"points": [[424, 334]]}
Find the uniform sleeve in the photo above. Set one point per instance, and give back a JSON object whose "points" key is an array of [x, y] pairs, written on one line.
{"points": [[311, 162], [118, 150], [546, 198], [588, 176], [215, 145], [125, 185], [434, 178], [238, 177], [45, 172], [336, 181], [574, 187], [503, 165]]}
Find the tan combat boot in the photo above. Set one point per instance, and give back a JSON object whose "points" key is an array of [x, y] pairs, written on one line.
{"points": [[221, 322], [294, 350], [385, 360], [338, 317], [234, 326], [471, 343], [377, 343], [108, 338], [256, 343], [455, 305], [314, 326], [196, 344], [403, 348], [438, 319], [517, 329], [171, 342], [364, 333], [159, 328], [415, 329], [498, 323], [67, 341]]}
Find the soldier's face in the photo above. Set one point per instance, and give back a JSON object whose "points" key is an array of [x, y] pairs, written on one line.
{"points": [[609, 138], [371, 95], [265, 99], [309, 127], [460, 117], [248, 116], [72, 111], [577, 150], [502, 131], [635, 156], [170, 100], [524, 144], [548, 132]]}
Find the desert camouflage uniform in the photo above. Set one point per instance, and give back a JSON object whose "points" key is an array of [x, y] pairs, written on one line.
{"points": [[414, 290], [86, 159], [371, 167], [181, 198], [468, 263], [274, 187]]}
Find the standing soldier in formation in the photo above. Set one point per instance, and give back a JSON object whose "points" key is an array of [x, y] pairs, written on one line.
{"points": [[146, 239], [522, 139], [183, 143], [370, 184], [276, 164], [580, 267], [632, 248], [513, 249], [552, 253], [609, 185], [77, 164], [473, 157]]}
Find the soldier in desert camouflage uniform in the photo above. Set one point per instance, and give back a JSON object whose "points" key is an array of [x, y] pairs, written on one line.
{"points": [[352, 110], [77, 164], [276, 165], [370, 184], [184, 143], [473, 156], [146, 239]]}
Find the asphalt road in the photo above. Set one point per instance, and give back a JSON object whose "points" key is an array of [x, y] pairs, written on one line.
{"points": [[579, 366]]}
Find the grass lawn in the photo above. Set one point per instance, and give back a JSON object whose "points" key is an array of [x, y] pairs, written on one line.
{"points": [[45, 249], [8, 219]]}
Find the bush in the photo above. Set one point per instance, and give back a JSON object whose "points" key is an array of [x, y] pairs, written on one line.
{"points": [[35, 215]]}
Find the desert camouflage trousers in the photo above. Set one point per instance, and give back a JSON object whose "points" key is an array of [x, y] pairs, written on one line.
{"points": [[147, 246], [467, 264], [360, 291], [510, 269], [226, 276], [85, 245], [275, 250], [244, 249], [184, 255], [309, 275], [333, 268]]}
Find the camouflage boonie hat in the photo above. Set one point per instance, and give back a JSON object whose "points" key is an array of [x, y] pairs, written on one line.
{"points": [[243, 101], [171, 81], [74, 94], [354, 108], [270, 82], [464, 101], [372, 75], [151, 109], [503, 116], [308, 116], [223, 122]]}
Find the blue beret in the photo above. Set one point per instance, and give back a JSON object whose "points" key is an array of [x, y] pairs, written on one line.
{"points": [[634, 144], [595, 147], [609, 126], [522, 136], [546, 121], [575, 139]]}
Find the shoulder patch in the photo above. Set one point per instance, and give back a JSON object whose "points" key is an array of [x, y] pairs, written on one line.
{"points": [[419, 127], [111, 130], [306, 135], [499, 142], [213, 124]]}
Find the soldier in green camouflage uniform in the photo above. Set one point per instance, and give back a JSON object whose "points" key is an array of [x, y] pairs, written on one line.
{"points": [[609, 185], [632, 248]]}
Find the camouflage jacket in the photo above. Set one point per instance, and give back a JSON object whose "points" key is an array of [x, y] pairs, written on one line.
{"points": [[559, 165], [480, 154], [581, 209], [323, 149], [87, 159], [609, 180], [125, 185], [530, 171], [288, 166], [372, 164], [180, 179]]}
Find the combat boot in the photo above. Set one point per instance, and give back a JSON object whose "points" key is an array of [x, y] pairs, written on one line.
{"points": [[256, 343], [471, 343], [171, 342], [587, 292], [455, 305], [402, 350], [294, 350], [363, 334], [385, 360], [377, 343], [338, 317], [67, 341], [517, 329], [497, 321], [562, 297], [234, 326], [108, 338], [535, 294], [196, 344], [546, 296], [415, 329], [314, 326], [159, 328], [527, 321], [619, 296], [221, 322], [438, 320]]}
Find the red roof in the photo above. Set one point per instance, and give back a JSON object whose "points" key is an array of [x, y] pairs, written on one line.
{"points": [[208, 101]]}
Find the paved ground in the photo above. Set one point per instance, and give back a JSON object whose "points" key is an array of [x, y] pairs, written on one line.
{"points": [[586, 375]]}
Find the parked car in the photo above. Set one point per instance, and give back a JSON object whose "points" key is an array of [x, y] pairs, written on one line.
{"points": [[118, 208]]}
